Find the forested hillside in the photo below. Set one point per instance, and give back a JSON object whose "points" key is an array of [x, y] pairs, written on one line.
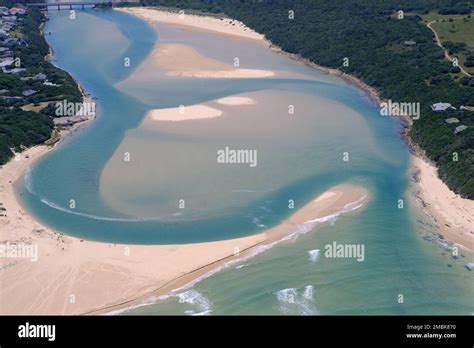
{"points": [[28, 81], [397, 56]]}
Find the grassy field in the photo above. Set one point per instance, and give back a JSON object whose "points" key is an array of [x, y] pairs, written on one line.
{"points": [[454, 28]]}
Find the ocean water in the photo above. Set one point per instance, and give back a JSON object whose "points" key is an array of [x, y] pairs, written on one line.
{"points": [[299, 156]]}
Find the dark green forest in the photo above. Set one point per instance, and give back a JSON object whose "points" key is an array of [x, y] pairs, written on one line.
{"points": [[369, 33]]}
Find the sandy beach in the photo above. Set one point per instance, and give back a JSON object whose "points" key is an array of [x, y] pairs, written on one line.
{"points": [[74, 276], [79, 276], [196, 112], [184, 61], [220, 25], [453, 214], [184, 113], [236, 101]]}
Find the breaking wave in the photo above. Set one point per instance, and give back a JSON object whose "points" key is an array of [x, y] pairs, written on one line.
{"points": [[293, 301], [314, 255], [293, 235]]}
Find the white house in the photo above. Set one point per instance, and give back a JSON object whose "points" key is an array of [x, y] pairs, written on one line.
{"points": [[459, 129], [442, 107], [451, 120], [6, 62]]}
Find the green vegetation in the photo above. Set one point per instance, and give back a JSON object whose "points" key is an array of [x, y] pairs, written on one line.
{"points": [[369, 33], [456, 33], [18, 128]]}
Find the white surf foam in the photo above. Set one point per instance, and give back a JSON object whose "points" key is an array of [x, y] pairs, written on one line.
{"points": [[29, 187], [258, 222], [195, 298], [95, 217], [28, 180], [314, 255], [295, 301], [146, 302], [293, 235]]}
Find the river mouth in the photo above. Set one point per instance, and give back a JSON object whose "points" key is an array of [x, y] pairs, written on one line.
{"points": [[139, 179], [187, 162]]}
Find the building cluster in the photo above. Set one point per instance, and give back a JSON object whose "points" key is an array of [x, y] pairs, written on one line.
{"points": [[442, 107], [10, 19], [10, 38]]}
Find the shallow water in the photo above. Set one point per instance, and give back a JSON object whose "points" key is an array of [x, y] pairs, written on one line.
{"points": [[299, 156]]}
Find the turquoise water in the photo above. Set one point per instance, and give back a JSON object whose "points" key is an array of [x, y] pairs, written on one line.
{"points": [[303, 160]]}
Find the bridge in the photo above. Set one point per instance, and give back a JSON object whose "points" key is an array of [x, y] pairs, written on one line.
{"points": [[69, 4]]}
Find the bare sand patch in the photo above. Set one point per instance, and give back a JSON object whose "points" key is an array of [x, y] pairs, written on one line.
{"points": [[236, 101], [184, 113], [221, 25], [36, 108], [185, 58], [325, 195], [185, 61]]}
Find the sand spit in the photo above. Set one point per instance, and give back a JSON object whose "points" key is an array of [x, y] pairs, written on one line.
{"points": [[184, 61], [236, 101], [220, 25], [184, 113], [73, 276]]}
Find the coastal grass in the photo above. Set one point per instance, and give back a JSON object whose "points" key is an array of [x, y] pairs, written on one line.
{"points": [[454, 28]]}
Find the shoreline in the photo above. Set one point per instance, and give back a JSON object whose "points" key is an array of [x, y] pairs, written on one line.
{"points": [[106, 270], [452, 215], [422, 168], [120, 275], [339, 200], [374, 96]]}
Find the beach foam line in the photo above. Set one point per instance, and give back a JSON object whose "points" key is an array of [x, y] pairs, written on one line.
{"points": [[252, 252], [192, 297], [95, 217], [44, 200]]}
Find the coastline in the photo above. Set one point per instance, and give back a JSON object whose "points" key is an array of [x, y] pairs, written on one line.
{"points": [[452, 214], [430, 202], [120, 275], [336, 201]]}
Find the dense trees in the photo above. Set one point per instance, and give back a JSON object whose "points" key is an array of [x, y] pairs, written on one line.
{"points": [[21, 128], [371, 35], [18, 128]]}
